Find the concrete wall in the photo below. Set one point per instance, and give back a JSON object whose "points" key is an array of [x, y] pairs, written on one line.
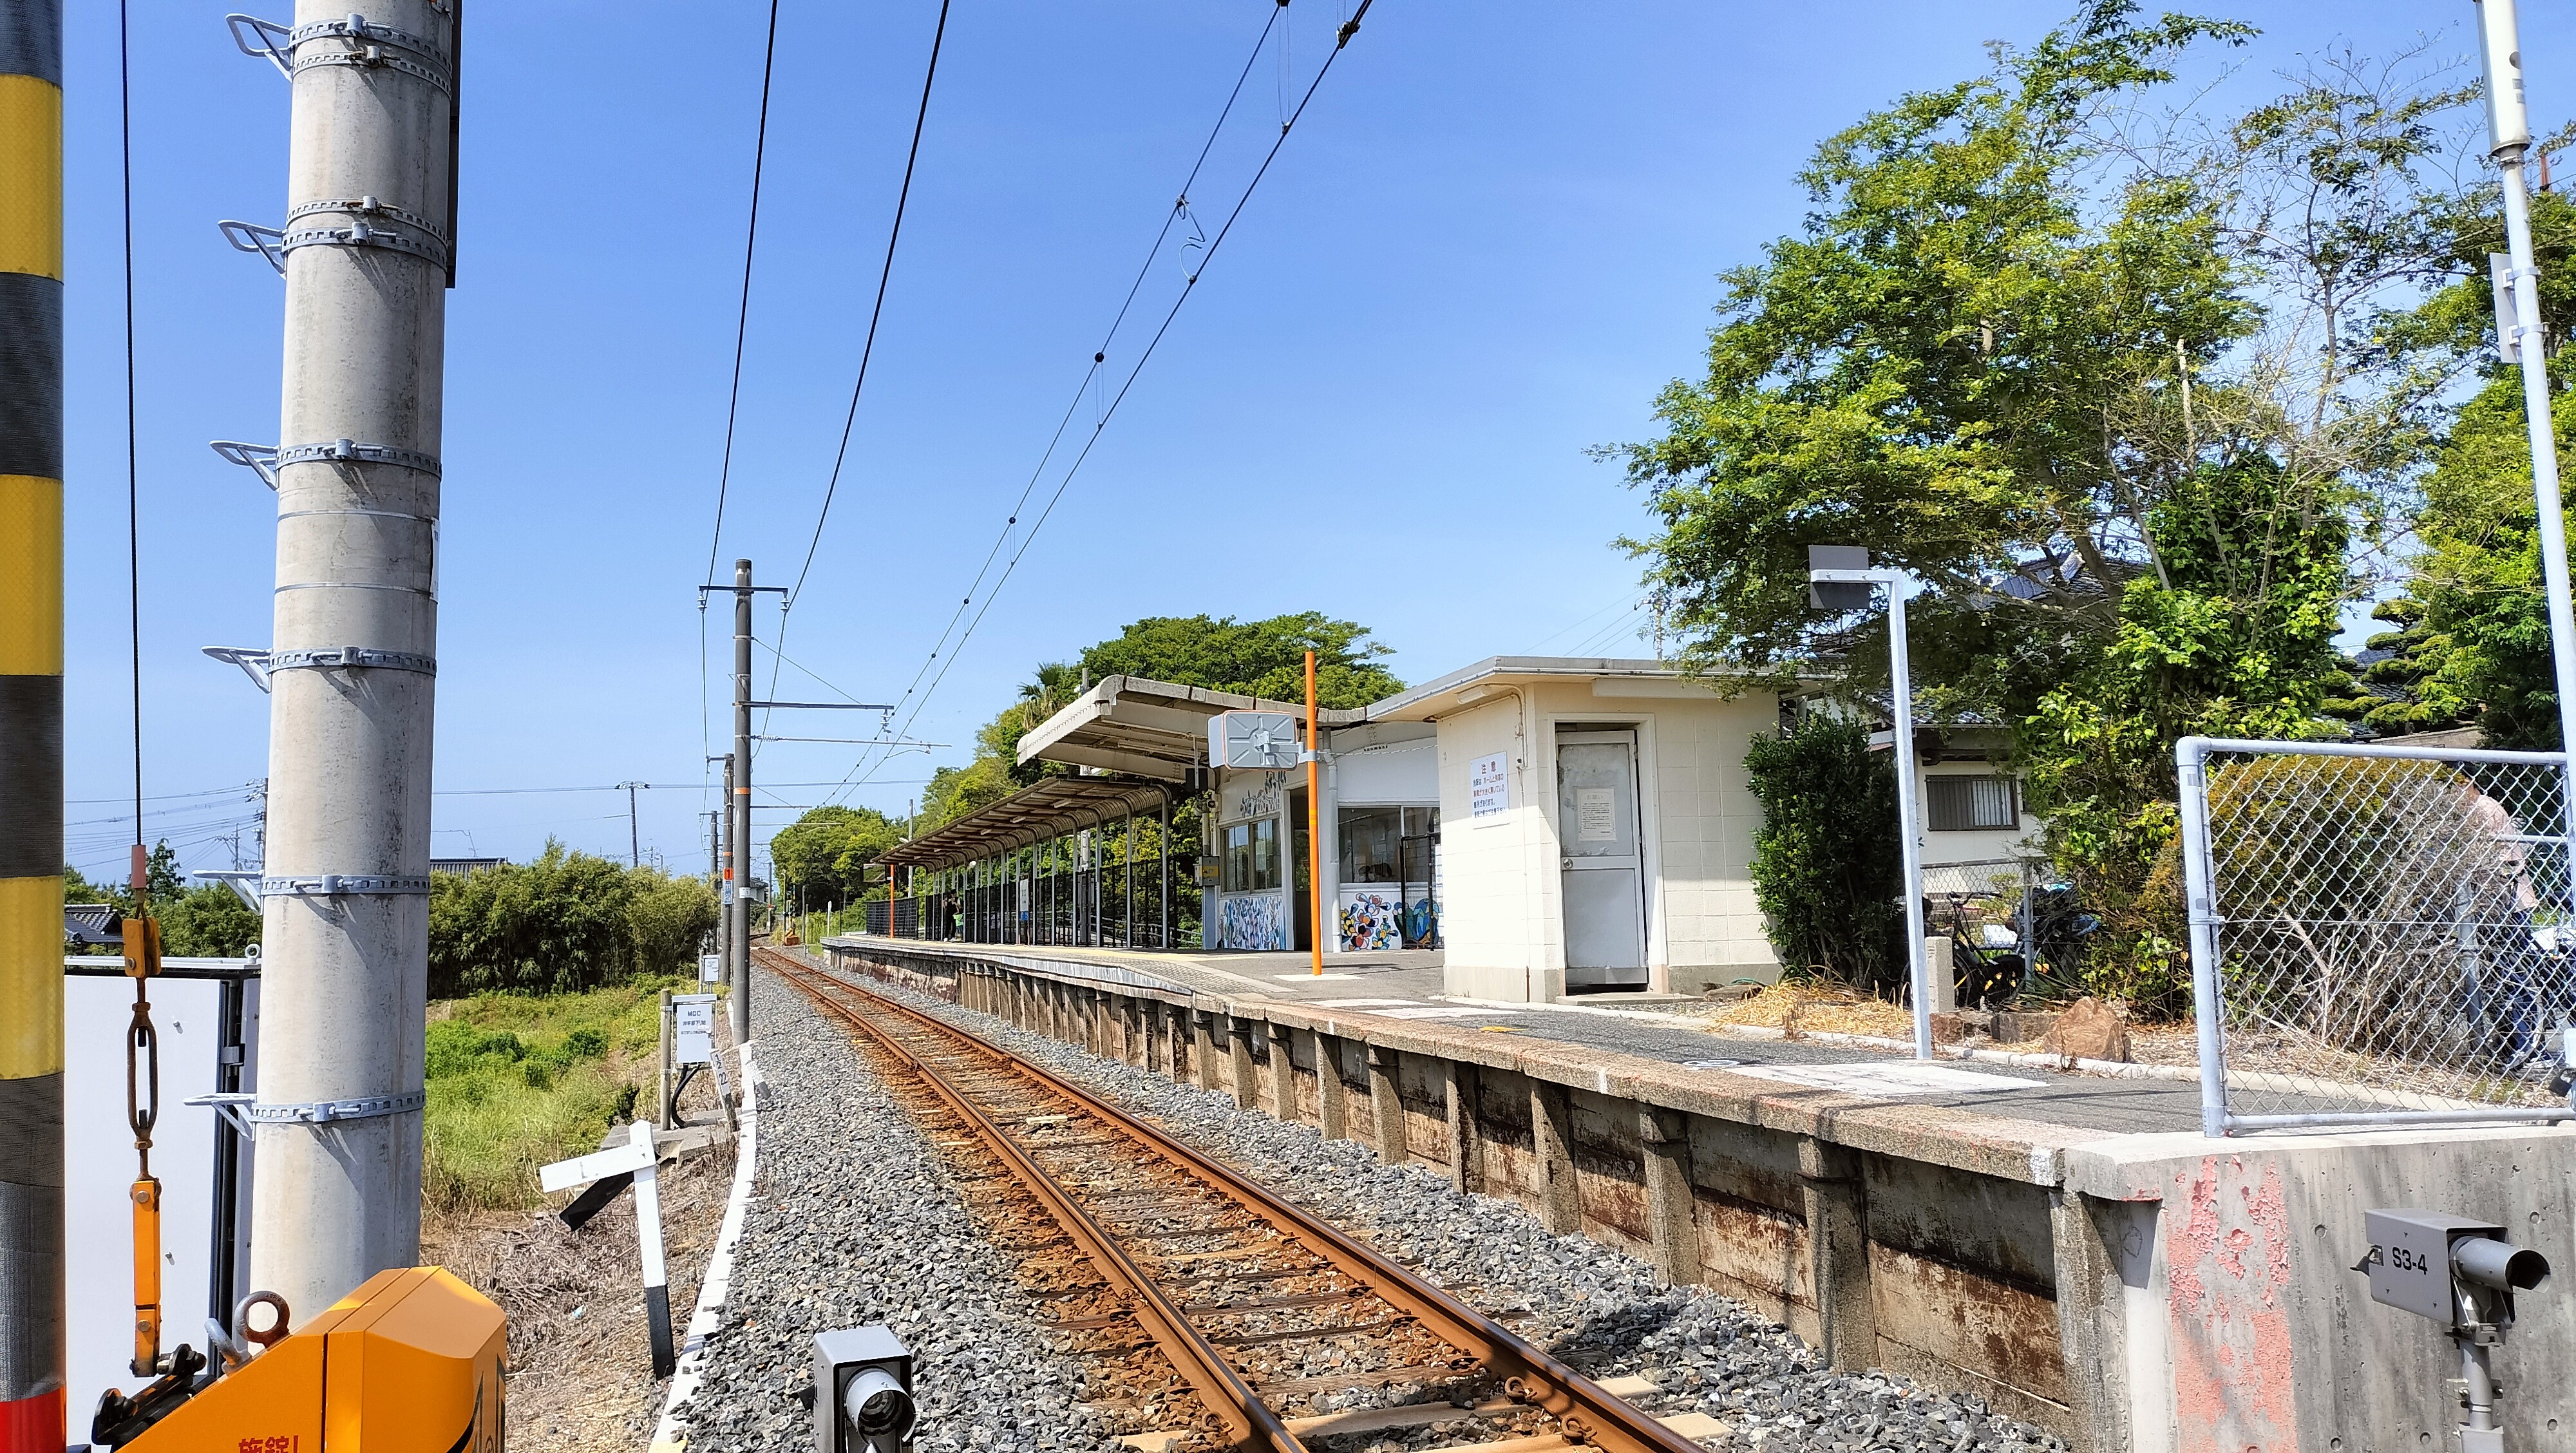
{"points": [[2239, 1323], [1499, 920], [1503, 917], [2135, 1293]]}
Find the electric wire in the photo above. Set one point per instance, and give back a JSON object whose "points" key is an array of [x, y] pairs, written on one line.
{"points": [[742, 316], [733, 394], [133, 468], [1189, 286], [867, 350], [1091, 374]]}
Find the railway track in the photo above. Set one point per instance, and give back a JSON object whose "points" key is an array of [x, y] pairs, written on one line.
{"points": [[1188, 1284]]}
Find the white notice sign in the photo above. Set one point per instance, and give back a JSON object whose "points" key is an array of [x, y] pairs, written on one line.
{"points": [[1594, 822], [1489, 786], [710, 968], [693, 1028]]}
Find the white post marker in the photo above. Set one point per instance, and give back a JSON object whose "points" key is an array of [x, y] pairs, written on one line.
{"points": [[1848, 566], [635, 1160]]}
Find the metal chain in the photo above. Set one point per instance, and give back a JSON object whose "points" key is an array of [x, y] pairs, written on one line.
{"points": [[143, 1098]]}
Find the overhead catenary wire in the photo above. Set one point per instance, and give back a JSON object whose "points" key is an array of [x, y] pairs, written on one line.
{"points": [[867, 351], [733, 392], [1099, 355], [742, 315], [885, 274], [133, 466], [1348, 29]]}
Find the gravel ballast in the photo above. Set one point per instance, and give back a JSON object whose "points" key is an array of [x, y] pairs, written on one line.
{"points": [[853, 1220], [1599, 1309]]}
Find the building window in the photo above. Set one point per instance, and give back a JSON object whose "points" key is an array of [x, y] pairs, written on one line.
{"points": [[1971, 804], [1251, 856], [1387, 844]]}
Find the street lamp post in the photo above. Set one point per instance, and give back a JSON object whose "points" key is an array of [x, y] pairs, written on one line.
{"points": [[1840, 579], [2518, 334]]}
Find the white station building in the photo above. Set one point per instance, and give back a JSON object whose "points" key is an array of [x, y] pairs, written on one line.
{"points": [[1552, 823]]}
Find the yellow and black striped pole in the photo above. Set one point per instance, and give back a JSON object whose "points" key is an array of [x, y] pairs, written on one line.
{"points": [[31, 726]]}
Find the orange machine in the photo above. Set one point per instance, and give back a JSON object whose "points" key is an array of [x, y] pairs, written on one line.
{"points": [[408, 1363]]}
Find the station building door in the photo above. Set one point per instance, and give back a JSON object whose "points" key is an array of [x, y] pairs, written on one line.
{"points": [[1602, 858]]}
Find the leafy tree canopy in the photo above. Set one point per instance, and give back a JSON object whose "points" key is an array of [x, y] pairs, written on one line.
{"points": [[564, 923], [825, 852], [2138, 400], [1254, 658]]}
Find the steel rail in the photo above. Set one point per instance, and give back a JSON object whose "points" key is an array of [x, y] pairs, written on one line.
{"points": [[1585, 1413], [1221, 1389]]}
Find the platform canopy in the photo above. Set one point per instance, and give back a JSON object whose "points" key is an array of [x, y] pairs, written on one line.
{"points": [[1147, 728], [1052, 807]]}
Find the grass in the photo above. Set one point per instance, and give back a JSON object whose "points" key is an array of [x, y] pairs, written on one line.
{"points": [[1813, 1008], [516, 1081]]}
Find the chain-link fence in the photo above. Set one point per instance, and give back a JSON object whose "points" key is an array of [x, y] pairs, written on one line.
{"points": [[2379, 935]]}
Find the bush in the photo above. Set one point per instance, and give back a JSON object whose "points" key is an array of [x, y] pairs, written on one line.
{"points": [[207, 922], [1827, 867], [566, 923], [516, 1081], [2384, 907]]}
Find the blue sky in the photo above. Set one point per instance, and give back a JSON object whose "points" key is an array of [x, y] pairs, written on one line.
{"points": [[1492, 239]]}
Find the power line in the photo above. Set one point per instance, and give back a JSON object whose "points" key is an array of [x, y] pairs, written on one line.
{"points": [[1189, 285], [133, 470], [867, 350], [1099, 358], [742, 317]]}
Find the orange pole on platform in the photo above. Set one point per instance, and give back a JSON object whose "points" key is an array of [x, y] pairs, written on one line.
{"points": [[1314, 816]]}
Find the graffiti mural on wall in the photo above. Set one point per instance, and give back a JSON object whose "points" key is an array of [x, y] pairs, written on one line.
{"points": [[1370, 921], [1256, 921]]}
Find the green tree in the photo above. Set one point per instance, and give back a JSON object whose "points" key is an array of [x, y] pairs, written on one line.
{"points": [[2479, 578], [210, 921], [826, 851], [2130, 414], [1927, 369], [564, 923], [1253, 658], [2403, 690], [1827, 872]]}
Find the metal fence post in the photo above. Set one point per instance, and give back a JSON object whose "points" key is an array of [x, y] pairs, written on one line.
{"points": [[2190, 757]]}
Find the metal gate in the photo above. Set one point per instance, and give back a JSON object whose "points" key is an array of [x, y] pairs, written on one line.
{"points": [[2379, 935]]}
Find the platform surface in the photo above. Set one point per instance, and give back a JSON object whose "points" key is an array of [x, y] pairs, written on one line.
{"points": [[1407, 987]]}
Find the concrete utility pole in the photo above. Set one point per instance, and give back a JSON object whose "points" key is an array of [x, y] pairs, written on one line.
{"points": [[345, 887], [741, 802], [634, 840], [727, 895], [2509, 131], [32, 1415]]}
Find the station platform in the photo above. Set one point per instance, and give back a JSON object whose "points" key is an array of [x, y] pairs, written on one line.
{"points": [[2066, 1245], [1405, 988]]}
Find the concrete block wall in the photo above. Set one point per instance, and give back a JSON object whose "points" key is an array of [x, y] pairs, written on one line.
{"points": [[2135, 1293]]}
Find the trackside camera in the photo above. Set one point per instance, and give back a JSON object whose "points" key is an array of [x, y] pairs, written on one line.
{"points": [[2462, 1274], [863, 1392]]}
